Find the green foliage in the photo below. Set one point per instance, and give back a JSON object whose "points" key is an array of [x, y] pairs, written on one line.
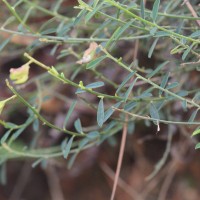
{"points": [[140, 92]]}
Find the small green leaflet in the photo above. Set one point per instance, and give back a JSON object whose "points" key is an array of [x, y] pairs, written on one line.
{"points": [[90, 86], [153, 31], [154, 13], [48, 31], [182, 93], [110, 111], [184, 105], [94, 63], [197, 146], [196, 132], [157, 69], [126, 95], [187, 51], [172, 85], [5, 136], [91, 14], [79, 17], [78, 126], [17, 133], [118, 33], [152, 47], [125, 81], [142, 9], [36, 125], [195, 34], [164, 82], [67, 148], [93, 135], [3, 44], [57, 5], [69, 113], [100, 113], [161, 34], [95, 2], [153, 112], [192, 117], [37, 162], [95, 85], [101, 27], [130, 106]]}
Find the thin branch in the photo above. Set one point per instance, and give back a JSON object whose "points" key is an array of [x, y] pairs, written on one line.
{"points": [[191, 9], [120, 158]]}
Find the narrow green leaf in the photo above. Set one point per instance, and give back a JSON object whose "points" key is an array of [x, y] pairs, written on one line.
{"points": [[82, 143], [172, 85], [101, 27], [153, 111], [110, 111], [164, 82], [67, 148], [192, 117], [157, 69], [187, 51], [36, 125], [125, 81], [144, 95], [93, 135], [155, 10], [79, 17], [5, 136], [93, 12], [152, 47], [72, 160], [49, 31], [197, 146], [142, 7], [95, 85], [57, 5], [78, 126], [79, 91], [195, 34], [37, 162], [130, 106], [118, 32], [17, 133], [69, 113], [184, 105], [10, 125], [94, 63], [196, 132], [95, 2], [112, 38], [161, 34], [3, 44], [182, 93], [153, 31], [100, 113], [126, 95]]}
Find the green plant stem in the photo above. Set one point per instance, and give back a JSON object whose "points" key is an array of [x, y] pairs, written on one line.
{"points": [[12, 10], [18, 153], [60, 40], [46, 11], [117, 4], [67, 81], [153, 119], [167, 15], [45, 122], [148, 80]]}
